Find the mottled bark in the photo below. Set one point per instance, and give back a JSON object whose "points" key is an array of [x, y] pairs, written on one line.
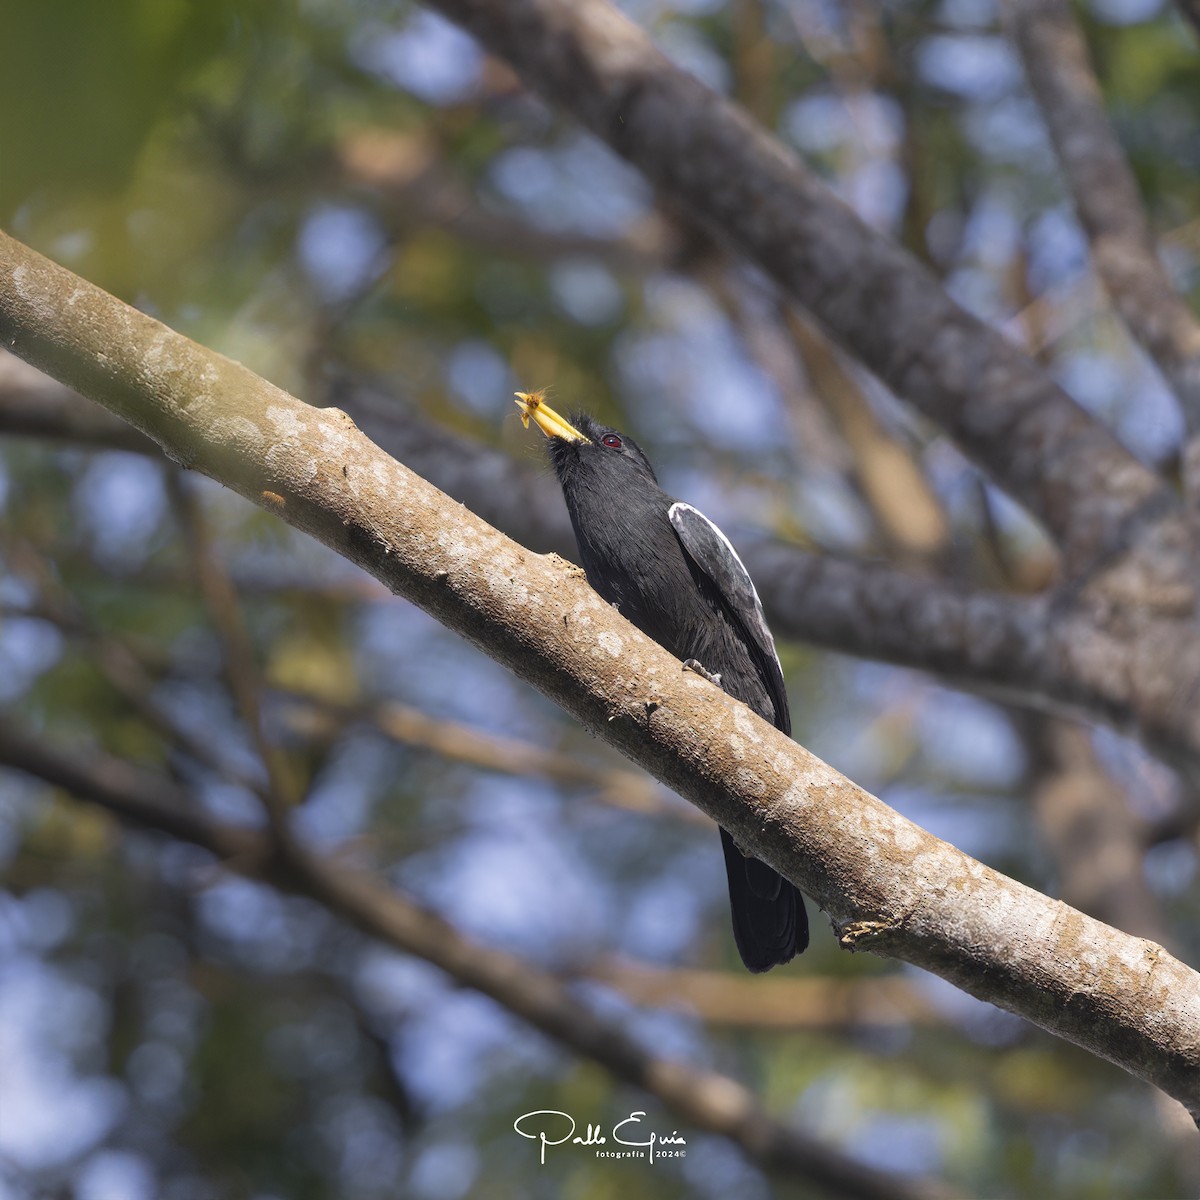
{"points": [[888, 886], [1041, 653]]}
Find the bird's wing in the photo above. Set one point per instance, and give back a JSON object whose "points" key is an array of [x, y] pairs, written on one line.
{"points": [[713, 553]]}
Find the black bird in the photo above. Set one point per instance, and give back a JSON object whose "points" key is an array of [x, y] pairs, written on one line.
{"points": [[672, 572]]}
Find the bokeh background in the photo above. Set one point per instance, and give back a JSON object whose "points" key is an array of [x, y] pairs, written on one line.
{"points": [[349, 197]]}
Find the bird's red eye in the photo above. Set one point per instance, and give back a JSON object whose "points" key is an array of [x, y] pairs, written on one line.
{"points": [[611, 441]]}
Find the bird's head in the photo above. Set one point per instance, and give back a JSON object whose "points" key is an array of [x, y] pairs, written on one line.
{"points": [[584, 450]]}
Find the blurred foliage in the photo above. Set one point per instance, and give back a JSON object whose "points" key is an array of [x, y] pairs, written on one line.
{"points": [[322, 188]]}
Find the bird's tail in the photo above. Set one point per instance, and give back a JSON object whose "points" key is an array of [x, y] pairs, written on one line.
{"points": [[770, 923]]}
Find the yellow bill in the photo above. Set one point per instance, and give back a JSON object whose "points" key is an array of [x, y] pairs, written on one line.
{"points": [[532, 404]]}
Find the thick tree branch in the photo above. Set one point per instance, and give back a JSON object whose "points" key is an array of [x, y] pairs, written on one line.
{"points": [[1028, 651], [1106, 194], [873, 298], [1042, 653], [705, 1099], [888, 885]]}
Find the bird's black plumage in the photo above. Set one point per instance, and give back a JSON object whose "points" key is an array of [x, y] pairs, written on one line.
{"points": [[671, 572]]}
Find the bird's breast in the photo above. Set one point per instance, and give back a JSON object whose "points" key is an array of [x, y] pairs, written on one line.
{"points": [[634, 560]]}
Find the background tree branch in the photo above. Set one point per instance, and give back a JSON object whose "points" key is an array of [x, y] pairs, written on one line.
{"points": [[34, 405], [1106, 196], [881, 306], [706, 1100]]}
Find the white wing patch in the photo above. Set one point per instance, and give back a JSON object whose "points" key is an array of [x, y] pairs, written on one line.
{"points": [[688, 521], [712, 552]]}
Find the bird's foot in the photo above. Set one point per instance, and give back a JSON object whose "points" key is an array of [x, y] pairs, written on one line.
{"points": [[694, 665]]}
